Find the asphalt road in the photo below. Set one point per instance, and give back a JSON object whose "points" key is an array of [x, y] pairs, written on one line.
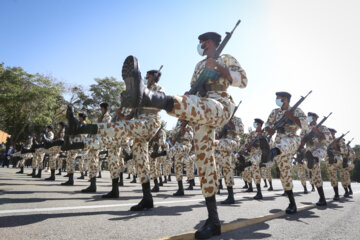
{"points": [[35, 209]]}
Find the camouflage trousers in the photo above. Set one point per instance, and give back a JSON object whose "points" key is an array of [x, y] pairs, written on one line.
{"points": [[40, 154], [160, 165], [167, 167], [141, 130], [189, 164], [53, 155], [316, 178], [70, 161], [266, 173], [59, 162], [131, 167], [344, 177], [22, 162], [154, 173], [246, 175], [115, 162], [288, 146], [219, 166], [179, 151], [207, 114], [255, 160], [84, 162], [302, 173]]}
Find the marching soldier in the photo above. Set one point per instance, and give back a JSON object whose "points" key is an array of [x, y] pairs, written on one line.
{"points": [[206, 113], [48, 136], [226, 145], [142, 127], [315, 151], [334, 161], [182, 138], [348, 166], [286, 141]]}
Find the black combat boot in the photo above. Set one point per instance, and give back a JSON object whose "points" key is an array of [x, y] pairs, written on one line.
{"points": [[128, 177], [336, 197], [220, 184], [99, 176], [82, 176], [147, 200], [134, 179], [322, 200], [230, 199], [160, 182], [180, 191], [169, 178], [33, 173], [66, 175], [191, 185], [68, 145], [165, 179], [346, 192], [75, 127], [350, 190], [250, 188], [59, 173], [212, 226], [85, 175], [92, 187], [312, 188], [258, 195], [305, 189], [137, 94], [291, 209], [121, 181], [271, 187], [52, 176], [265, 183], [69, 182], [38, 175], [284, 194], [156, 186], [246, 185], [114, 193], [21, 170]]}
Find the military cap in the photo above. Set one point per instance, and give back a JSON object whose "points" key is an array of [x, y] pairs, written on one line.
{"points": [[258, 120], [215, 37], [332, 130], [284, 94], [153, 72], [50, 127], [104, 105], [83, 115], [62, 123], [313, 114]]}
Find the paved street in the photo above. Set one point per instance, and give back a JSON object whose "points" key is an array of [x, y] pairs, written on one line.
{"points": [[35, 209]]}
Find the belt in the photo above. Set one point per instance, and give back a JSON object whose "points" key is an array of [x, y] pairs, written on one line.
{"points": [[213, 87]]}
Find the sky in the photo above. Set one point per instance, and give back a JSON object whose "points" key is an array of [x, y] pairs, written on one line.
{"points": [[283, 45]]}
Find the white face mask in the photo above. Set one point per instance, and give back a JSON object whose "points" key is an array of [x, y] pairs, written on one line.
{"points": [[200, 50], [309, 119], [279, 102], [255, 125]]}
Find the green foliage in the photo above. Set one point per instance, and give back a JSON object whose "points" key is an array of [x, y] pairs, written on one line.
{"points": [[28, 102]]}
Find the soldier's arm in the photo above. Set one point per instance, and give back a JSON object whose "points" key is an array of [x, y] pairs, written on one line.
{"points": [[237, 73]]}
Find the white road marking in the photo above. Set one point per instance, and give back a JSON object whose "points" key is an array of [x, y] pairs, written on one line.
{"points": [[53, 209]]}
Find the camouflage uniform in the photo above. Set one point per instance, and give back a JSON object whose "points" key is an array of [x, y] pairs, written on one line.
{"points": [[181, 149], [287, 142], [209, 113], [333, 167], [318, 150], [226, 146], [142, 128], [49, 136]]}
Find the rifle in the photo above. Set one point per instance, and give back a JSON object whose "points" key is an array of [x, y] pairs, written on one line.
{"points": [[180, 133], [348, 143], [283, 120], [308, 138], [332, 146], [207, 73], [346, 157], [226, 127]]}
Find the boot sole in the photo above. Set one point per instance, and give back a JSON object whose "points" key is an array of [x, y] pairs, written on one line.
{"points": [[130, 67]]}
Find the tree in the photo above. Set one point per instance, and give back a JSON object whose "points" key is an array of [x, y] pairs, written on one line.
{"points": [[28, 102]]}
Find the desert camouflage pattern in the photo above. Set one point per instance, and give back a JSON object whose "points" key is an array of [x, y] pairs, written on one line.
{"points": [[207, 114], [287, 142]]}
